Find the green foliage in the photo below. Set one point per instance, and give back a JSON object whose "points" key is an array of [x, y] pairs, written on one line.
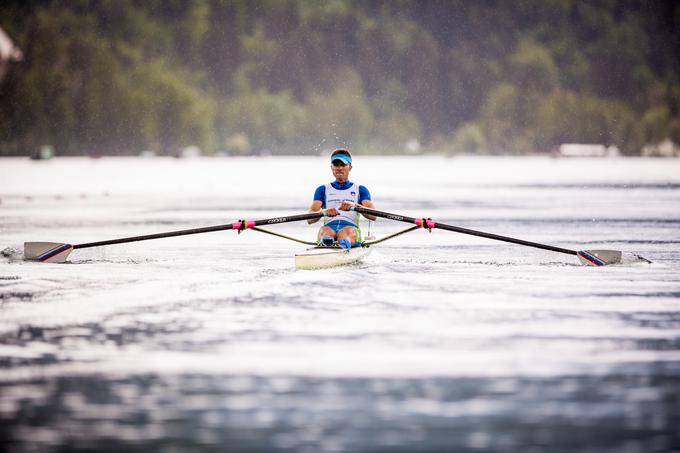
{"points": [[344, 114], [656, 124], [393, 131], [267, 119], [533, 69], [501, 120], [83, 93], [119, 76], [469, 139], [566, 117], [174, 112]]}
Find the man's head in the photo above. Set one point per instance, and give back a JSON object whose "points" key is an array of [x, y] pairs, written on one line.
{"points": [[341, 164]]}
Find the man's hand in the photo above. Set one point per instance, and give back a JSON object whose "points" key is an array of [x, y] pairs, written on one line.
{"points": [[346, 206]]}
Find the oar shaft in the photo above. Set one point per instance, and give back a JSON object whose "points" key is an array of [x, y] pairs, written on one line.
{"points": [[456, 229], [228, 226], [497, 237]]}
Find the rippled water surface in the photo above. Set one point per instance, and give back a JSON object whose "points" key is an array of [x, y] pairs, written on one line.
{"points": [[437, 342]]}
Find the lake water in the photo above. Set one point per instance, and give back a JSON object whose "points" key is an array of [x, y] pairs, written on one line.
{"points": [[436, 342]]}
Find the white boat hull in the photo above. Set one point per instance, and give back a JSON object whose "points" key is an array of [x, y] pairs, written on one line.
{"points": [[325, 257]]}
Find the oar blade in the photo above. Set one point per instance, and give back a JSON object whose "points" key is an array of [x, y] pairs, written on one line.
{"points": [[607, 257], [599, 257], [47, 252]]}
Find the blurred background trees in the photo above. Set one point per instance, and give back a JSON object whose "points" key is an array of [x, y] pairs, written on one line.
{"points": [[296, 76]]}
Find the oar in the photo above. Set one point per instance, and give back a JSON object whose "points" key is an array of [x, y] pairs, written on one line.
{"points": [[589, 257], [56, 252]]}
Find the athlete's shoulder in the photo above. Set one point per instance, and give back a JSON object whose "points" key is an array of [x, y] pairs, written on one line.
{"points": [[364, 194], [320, 193]]}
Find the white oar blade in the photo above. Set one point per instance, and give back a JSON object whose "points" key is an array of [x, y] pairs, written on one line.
{"points": [[599, 257], [607, 257], [47, 252]]}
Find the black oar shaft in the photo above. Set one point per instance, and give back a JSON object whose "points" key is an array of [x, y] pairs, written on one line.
{"points": [[456, 229], [228, 226], [497, 237]]}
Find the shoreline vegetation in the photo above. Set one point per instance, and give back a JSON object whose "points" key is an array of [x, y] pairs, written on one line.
{"points": [[260, 77]]}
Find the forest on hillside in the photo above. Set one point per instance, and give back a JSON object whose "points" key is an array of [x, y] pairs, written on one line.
{"points": [[297, 76]]}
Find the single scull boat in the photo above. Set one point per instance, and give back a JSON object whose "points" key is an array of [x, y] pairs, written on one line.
{"points": [[322, 257], [325, 257]]}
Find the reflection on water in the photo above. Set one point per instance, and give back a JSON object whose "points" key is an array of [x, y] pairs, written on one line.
{"points": [[613, 413], [634, 405]]}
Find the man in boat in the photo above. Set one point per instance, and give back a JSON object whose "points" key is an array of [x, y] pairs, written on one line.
{"points": [[341, 224]]}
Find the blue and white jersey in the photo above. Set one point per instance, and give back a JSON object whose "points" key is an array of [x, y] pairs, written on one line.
{"points": [[333, 194]]}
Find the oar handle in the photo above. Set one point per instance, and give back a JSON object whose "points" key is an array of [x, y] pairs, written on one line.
{"points": [[238, 225], [428, 223]]}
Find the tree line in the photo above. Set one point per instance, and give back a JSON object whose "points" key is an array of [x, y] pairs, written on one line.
{"points": [[297, 76]]}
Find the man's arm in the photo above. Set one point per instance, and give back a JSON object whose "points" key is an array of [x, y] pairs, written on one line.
{"points": [[368, 204], [365, 201], [315, 207], [317, 204]]}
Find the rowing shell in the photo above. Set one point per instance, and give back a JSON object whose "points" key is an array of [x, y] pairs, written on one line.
{"points": [[57, 252], [324, 257]]}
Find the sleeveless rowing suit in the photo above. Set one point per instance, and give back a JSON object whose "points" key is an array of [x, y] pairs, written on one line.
{"points": [[333, 194], [335, 197]]}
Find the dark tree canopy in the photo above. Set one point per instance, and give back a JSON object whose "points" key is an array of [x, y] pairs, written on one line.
{"points": [[290, 76]]}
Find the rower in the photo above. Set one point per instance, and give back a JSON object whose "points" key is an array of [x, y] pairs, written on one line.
{"points": [[341, 224]]}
